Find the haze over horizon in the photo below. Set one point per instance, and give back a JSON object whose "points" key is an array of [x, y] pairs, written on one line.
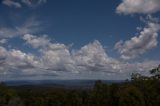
{"points": [[78, 39]]}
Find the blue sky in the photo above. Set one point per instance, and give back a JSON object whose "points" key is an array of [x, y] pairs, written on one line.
{"points": [[71, 39]]}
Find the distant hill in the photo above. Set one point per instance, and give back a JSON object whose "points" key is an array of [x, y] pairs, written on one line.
{"points": [[59, 83]]}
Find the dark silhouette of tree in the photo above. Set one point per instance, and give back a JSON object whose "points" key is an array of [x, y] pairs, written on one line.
{"points": [[156, 72]]}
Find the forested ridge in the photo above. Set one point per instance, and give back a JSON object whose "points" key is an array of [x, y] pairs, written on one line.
{"points": [[139, 91]]}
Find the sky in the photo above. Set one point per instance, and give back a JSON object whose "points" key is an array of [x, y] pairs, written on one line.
{"points": [[78, 39]]}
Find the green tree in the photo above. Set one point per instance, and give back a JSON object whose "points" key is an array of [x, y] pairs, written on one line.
{"points": [[130, 96]]}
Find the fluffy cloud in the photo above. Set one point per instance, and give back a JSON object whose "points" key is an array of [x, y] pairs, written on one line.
{"points": [[138, 6], [12, 3], [18, 59], [15, 63], [147, 38], [29, 3], [35, 41], [56, 58], [92, 57], [137, 45]]}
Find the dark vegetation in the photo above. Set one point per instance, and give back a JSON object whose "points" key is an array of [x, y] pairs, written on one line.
{"points": [[139, 91]]}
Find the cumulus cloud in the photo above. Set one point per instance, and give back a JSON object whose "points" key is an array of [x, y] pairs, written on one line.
{"points": [[12, 3], [12, 59], [57, 57], [29, 3], [54, 58], [17, 58], [138, 45], [35, 41], [92, 57], [147, 38], [138, 6], [15, 63]]}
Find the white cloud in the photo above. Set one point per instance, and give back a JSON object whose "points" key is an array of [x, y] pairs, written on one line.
{"points": [[138, 6], [138, 45], [35, 41], [92, 57], [17, 63], [17, 58], [56, 58], [12, 3], [147, 39]]}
